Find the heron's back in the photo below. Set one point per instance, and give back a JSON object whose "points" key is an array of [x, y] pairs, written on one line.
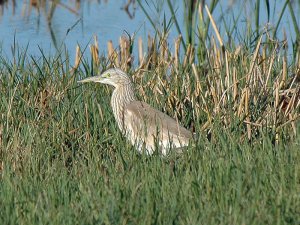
{"points": [[146, 126]]}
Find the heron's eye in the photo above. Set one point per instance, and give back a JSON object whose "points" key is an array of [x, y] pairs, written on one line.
{"points": [[108, 75]]}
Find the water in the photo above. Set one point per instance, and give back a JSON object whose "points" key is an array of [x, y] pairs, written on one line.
{"points": [[76, 22], [30, 27]]}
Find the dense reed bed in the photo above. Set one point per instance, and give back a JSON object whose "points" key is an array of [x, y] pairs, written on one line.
{"points": [[64, 161]]}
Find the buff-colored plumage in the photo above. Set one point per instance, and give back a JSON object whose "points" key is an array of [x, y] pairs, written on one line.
{"points": [[145, 127]]}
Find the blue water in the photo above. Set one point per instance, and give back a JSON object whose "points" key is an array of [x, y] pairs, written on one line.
{"points": [[108, 20]]}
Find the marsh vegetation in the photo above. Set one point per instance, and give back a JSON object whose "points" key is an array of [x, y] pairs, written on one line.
{"points": [[64, 161]]}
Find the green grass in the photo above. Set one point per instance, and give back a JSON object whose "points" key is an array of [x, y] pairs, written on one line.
{"points": [[63, 161]]}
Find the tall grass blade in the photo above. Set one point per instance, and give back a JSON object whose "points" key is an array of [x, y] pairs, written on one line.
{"points": [[174, 17], [268, 9], [280, 18]]}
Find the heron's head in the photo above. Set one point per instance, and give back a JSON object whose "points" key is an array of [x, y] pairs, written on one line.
{"points": [[114, 77]]}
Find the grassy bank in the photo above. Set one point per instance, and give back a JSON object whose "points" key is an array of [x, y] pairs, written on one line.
{"points": [[63, 160]]}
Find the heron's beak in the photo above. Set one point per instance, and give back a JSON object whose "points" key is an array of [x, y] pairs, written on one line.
{"points": [[91, 79]]}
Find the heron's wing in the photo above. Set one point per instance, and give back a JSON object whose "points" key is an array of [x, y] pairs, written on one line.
{"points": [[146, 122]]}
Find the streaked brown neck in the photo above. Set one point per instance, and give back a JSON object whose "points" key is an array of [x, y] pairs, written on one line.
{"points": [[122, 95]]}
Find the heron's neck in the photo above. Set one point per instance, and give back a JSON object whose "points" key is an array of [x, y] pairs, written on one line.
{"points": [[121, 97]]}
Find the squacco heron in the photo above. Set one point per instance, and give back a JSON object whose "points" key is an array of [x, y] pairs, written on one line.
{"points": [[145, 127]]}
